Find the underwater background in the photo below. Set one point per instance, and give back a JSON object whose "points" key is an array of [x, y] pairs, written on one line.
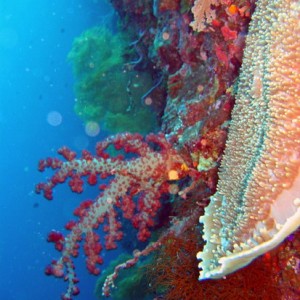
{"points": [[36, 118]]}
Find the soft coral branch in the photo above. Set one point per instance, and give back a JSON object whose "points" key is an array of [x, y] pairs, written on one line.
{"points": [[135, 189]]}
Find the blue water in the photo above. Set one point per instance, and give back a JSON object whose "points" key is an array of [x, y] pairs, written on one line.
{"points": [[35, 80]]}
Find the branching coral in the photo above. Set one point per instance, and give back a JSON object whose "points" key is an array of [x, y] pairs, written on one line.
{"points": [[134, 191]]}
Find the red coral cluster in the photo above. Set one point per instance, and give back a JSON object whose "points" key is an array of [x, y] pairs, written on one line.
{"points": [[134, 191]]}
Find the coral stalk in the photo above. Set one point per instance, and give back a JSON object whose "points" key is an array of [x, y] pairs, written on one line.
{"points": [[177, 228]]}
